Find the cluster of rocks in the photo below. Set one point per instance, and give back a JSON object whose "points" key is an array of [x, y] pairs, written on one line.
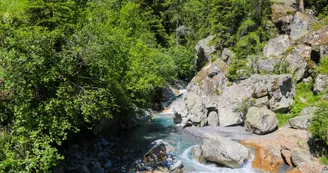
{"points": [[201, 107], [98, 156], [111, 155]]}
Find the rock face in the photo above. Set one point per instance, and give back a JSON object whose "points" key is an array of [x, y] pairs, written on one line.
{"points": [[268, 148], [223, 151], [277, 46], [282, 14], [299, 62], [300, 156], [303, 121], [321, 83], [300, 25], [260, 121], [203, 51]]}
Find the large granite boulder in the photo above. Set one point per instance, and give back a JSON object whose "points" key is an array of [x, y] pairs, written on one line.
{"points": [[321, 83], [277, 46], [203, 51], [282, 14], [223, 151], [304, 120], [260, 121], [300, 26], [210, 81], [299, 62]]}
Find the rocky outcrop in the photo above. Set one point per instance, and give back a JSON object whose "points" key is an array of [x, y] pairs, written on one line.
{"points": [[260, 121], [282, 14], [268, 148], [203, 51], [304, 120], [299, 62], [222, 151], [321, 83], [300, 26], [276, 46]]}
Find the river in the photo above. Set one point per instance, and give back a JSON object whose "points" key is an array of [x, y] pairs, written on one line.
{"points": [[163, 127]]}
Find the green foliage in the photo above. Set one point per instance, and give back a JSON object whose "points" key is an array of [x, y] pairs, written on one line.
{"points": [[283, 118], [184, 60], [243, 107], [320, 7], [323, 68], [67, 64], [319, 126], [324, 160], [304, 97]]}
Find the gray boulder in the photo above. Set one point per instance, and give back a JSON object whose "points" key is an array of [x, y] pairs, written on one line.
{"points": [[304, 120], [223, 151], [300, 156], [213, 119], [260, 121], [321, 83], [204, 51], [277, 46], [299, 62], [268, 65], [300, 26]]}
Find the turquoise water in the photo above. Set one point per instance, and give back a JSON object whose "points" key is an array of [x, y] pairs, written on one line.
{"points": [[163, 127]]}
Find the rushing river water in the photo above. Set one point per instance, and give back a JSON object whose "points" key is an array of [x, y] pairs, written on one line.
{"points": [[163, 127]]}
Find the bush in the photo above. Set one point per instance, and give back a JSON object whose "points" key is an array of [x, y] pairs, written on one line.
{"points": [[319, 126]]}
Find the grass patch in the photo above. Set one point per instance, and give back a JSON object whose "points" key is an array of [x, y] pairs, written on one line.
{"points": [[283, 119], [318, 25], [324, 160], [323, 68]]}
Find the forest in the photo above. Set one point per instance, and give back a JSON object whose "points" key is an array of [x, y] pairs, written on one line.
{"points": [[67, 64]]}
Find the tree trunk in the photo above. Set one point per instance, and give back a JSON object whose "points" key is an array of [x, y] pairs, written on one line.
{"points": [[301, 8]]}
